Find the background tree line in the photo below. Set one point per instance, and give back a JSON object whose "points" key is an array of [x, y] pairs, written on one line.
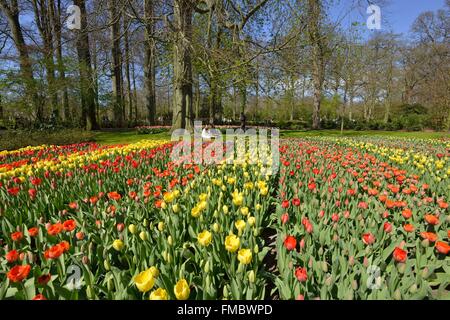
{"points": [[137, 62]]}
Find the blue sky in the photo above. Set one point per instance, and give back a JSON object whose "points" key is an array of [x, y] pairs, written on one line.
{"points": [[397, 15]]}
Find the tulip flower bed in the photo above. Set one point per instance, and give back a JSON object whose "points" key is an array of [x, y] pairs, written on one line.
{"points": [[125, 222], [358, 220]]}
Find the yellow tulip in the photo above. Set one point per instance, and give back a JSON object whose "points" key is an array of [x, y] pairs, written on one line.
{"points": [[264, 191], [195, 211], [144, 281], [176, 208], [181, 290], [251, 221], [118, 245], [154, 271], [240, 225], [159, 294], [225, 209], [204, 238], [245, 256], [232, 243], [143, 235], [251, 276], [168, 197], [244, 211], [161, 226], [202, 205], [238, 199], [132, 228]]}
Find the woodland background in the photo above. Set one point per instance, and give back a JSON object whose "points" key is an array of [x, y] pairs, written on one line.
{"points": [[169, 62]]}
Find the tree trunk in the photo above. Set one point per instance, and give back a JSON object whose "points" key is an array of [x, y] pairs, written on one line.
{"points": [[197, 95], [243, 90], [43, 16], [116, 79], [95, 76], [318, 63], [135, 103], [127, 69], [182, 108], [56, 18], [150, 63], [12, 14], [88, 118], [256, 91], [291, 96]]}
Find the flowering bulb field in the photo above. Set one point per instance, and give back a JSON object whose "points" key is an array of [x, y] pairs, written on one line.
{"points": [[359, 218]]}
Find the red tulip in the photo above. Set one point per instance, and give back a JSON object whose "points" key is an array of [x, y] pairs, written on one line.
{"points": [[12, 256], [296, 202], [407, 213], [17, 236], [19, 273], [387, 227], [442, 247], [290, 243], [430, 236], [114, 196], [69, 225], [363, 205], [368, 238], [44, 279], [13, 191], [400, 255], [431, 219], [443, 204], [55, 229], [73, 205], [408, 227], [32, 193], [284, 218], [285, 204], [301, 274], [33, 232], [120, 227], [79, 235], [39, 297]]}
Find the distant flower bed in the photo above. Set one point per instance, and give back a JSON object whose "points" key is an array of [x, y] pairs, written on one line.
{"points": [[152, 129]]}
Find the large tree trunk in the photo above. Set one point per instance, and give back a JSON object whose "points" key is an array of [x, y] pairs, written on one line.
{"points": [[150, 64], [197, 95], [135, 102], [183, 109], [95, 79], [12, 14], [318, 59], [116, 64], [88, 117], [43, 12], [127, 68], [56, 20], [291, 96], [243, 91]]}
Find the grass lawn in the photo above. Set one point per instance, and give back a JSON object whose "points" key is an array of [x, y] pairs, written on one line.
{"points": [[123, 137], [353, 133]]}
